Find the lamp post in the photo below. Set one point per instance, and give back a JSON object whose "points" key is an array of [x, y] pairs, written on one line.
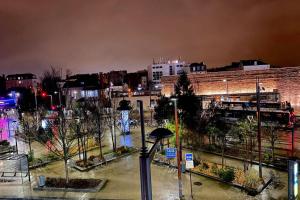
{"points": [[147, 156], [44, 94], [59, 97], [36, 104], [178, 149], [258, 125], [78, 136], [51, 100]]}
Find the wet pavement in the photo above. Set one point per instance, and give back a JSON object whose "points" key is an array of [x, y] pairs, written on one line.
{"points": [[124, 181]]}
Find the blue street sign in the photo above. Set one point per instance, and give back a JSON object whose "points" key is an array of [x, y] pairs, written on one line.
{"points": [[188, 157], [170, 153]]}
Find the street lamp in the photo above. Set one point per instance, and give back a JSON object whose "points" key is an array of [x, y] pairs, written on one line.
{"points": [[44, 94], [258, 88], [178, 148], [59, 97], [147, 156]]}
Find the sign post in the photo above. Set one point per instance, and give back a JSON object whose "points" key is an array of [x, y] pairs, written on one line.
{"points": [[293, 179], [189, 164], [170, 153]]}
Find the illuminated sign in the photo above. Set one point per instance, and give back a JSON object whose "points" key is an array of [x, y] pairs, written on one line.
{"points": [[293, 179], [189, 162], [7, 103], [170, 153], [125, 121]]}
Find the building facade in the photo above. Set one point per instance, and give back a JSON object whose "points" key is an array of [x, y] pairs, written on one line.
{"points": [[27, 81], [137, 80], [164, 68], [282, 84], [81, 86]]}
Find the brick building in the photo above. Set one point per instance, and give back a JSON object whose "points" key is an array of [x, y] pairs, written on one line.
{"points": [[282, 84]]}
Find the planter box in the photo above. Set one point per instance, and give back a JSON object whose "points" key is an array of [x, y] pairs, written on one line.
{"points": [[108, 158], [92, 189], [250, 191]]}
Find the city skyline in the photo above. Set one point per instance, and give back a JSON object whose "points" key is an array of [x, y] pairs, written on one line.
{"points": [[114, 35]]}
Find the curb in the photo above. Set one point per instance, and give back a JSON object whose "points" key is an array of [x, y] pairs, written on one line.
{"points": [[95, 189], [81, 169]]}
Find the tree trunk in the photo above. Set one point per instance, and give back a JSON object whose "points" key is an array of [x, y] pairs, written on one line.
{"points": [[223, 148], [66, 170], [246, 156], [251, 151], [29, 144], [78, 146], [273, 152], [99, 137]]}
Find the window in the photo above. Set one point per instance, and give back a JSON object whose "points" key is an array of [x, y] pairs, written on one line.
{"points": [[89, 93], [157, 75], [170, 70]]}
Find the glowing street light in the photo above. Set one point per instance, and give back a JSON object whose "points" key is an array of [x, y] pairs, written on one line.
{"points": [[44, 94]]}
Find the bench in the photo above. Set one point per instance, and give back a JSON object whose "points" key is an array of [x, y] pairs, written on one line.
{"points": [[13, 174]]}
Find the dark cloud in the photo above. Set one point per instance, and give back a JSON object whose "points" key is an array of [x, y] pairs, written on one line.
{"points": [[100, 35]]}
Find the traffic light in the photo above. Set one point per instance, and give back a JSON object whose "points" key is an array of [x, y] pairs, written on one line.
{"points": [[44, 94]]}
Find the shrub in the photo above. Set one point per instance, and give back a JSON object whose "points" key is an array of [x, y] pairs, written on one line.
{"points": [[215, 169], [227, 174], [196, 162], [211, 147], [30, 156], [91, 158], [205, 165], [267, 157], [52, 156], [122, 150], [4, 143], [252, 179]]}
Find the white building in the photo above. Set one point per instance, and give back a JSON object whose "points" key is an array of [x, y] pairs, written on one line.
{"points": [[165, 68], [254, 65]]}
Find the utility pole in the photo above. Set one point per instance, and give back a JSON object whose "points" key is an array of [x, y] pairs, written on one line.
{"points": [[150, 108], [258, 125], [178, 150], [36, 105]]}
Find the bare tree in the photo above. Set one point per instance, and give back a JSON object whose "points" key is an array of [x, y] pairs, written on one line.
{"points": [[28, 129], [59, 139]]}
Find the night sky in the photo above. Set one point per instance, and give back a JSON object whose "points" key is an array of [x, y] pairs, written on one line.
{"points": [[91, 36]]}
